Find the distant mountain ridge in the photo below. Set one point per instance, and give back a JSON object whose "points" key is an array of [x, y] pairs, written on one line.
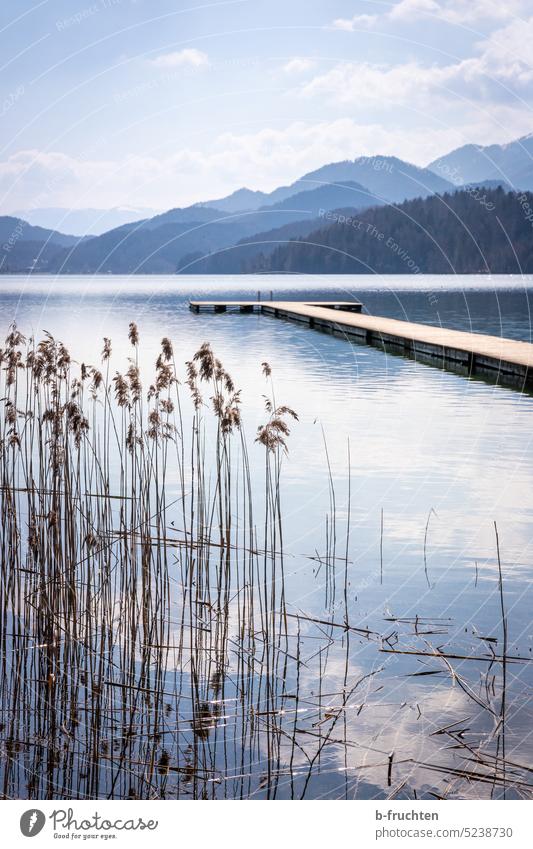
{"points": [[242, 200], [83, 222], [244, 229], [158, 245], [387, 177], [16, 229], [511, 163]]}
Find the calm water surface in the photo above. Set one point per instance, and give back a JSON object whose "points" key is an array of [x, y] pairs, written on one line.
{"points": [[436, 461]]}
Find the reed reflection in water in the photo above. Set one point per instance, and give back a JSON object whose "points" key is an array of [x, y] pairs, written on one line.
{"points": [[150, 645]]}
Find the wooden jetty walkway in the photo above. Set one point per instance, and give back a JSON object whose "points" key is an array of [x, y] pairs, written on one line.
{"points": [[477, 354]]}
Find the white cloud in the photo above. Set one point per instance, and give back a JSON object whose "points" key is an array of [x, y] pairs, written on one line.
{"points": [[259, 160], [362, 83], [452, 11], [408, 9], [465, 11], [358, 21], [298, 65], [190, 57], [500, 73], [510, 47]]}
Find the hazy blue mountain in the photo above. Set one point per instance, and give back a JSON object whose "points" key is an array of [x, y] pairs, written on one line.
{"points": [[84, 222], [305, 202], [165, 242], [523, 178], [388, 177], [20, 230], [180, 215], [512, 162], [24, 246], [239, 258], [245, 200], [132, 250], [158, 245], [296, 216], [241, 200], [327, 196], [307, 205]]}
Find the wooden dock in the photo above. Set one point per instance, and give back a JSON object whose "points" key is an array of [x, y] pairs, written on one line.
{"points": [[473, 354]]}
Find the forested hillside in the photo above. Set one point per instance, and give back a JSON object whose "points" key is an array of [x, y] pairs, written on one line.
{"points": [[466, 232]]}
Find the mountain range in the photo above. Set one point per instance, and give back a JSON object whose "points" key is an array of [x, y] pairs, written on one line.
{"points": [[239, 233], [83, 222], [510, 164]]}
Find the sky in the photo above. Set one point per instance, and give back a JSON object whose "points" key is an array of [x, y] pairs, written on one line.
{"points": [[158, 103]]}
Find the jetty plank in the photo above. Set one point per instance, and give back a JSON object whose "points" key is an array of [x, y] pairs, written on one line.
{"points": [[477, 352]]}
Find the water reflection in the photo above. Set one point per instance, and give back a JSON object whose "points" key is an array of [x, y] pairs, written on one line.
{"points": [[354, 677]]}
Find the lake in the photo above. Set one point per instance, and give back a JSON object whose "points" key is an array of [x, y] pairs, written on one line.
{"points": [[400, 482]]}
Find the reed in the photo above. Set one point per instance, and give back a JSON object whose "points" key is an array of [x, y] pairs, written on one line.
{"points": [[127, 566], [149, 646]]}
